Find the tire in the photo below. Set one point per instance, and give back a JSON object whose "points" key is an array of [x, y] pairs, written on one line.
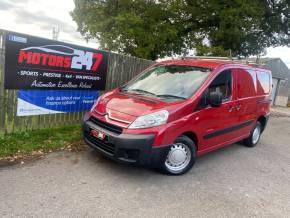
{"points": [[180, 158], [253, 139]]}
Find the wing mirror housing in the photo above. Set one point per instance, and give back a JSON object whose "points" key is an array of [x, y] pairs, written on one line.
{"points": [[215, 99]]}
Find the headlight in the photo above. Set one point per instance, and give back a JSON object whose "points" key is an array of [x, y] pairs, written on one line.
{"points": [[95, 104], [154, 119]]}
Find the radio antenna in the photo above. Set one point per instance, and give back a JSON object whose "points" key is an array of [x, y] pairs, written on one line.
{"points": [[55, 32]]}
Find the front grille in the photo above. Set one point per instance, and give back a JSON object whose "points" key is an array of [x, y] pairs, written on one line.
{"points": [[104, 145], [107, 126]]}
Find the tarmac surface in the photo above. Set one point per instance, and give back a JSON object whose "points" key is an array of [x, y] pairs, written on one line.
{"points": [[234, 181]]}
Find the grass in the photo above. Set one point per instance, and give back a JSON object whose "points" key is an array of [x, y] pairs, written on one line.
{"points": [[43, 140]]}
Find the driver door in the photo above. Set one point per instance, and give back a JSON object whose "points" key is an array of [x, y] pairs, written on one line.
{"points": [[217, 123]]}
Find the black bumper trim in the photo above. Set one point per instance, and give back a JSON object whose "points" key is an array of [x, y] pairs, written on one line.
{"points": [[127, 148], [228, 130]]}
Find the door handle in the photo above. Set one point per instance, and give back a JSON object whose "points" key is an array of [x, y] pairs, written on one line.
{"points": [[238, 107], [231, 108]]}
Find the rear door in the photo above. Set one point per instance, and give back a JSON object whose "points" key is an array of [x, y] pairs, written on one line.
{"points": [[216, 124]]}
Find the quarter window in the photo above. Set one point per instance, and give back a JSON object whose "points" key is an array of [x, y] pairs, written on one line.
{"points": [[263, 82]]}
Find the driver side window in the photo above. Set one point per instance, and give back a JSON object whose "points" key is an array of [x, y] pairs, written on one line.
{"points": [[221, 84]]}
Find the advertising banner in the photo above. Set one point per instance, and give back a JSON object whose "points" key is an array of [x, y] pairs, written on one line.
{"points": [[38, 63], [37, 102]]}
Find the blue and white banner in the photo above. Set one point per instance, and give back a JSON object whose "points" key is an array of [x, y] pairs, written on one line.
{"points": [[37, 102]]}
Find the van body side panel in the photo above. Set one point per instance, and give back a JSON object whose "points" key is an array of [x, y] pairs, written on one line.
{"points": [[264, 88], [253, 95], [246, 98]]}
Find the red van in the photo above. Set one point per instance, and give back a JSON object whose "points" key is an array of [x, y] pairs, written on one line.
{"points": [[177, 110]]}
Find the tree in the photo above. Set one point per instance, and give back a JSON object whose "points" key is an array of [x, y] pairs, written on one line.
{"points": [[153, 29]]}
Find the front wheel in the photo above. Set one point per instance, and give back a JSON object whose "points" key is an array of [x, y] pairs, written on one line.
{"points": [[254, 138], [180, 158]]}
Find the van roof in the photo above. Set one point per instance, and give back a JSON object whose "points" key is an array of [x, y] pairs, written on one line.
{"points": [[210, 63]]}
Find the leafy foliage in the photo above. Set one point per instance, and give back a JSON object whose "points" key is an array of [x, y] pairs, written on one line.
{"points": [[153, 29]]}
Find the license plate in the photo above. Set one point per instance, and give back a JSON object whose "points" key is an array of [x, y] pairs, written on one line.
{"points": [[98, 134]]}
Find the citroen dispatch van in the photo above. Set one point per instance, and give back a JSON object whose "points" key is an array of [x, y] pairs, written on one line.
{"points": [[177, 110]]}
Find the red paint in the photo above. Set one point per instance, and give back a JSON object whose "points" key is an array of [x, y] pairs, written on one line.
{"points": [[37, 58], [244, 105], [98, 58]]}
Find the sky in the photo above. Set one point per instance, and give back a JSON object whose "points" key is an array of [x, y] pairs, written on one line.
{"points": [[38, 17]]}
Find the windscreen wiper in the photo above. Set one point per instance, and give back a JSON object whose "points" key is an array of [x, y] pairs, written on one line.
{"points": [[171, 96], [123, 89], [141, 91]]}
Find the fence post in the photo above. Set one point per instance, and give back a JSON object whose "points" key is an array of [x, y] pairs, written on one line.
{"points": [[2, 91]]}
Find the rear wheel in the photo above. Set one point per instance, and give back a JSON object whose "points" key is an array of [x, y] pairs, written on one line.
{"points": [[254, 138], [180, 158]]}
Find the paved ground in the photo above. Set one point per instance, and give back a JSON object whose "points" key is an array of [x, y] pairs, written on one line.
{"points": [[280, 111], [232, 182]]}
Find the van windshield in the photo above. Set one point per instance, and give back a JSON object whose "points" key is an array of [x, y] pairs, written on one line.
{"points": [[169, 81]]}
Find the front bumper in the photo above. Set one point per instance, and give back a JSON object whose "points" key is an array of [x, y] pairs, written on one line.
{"points": [[126, 148]]}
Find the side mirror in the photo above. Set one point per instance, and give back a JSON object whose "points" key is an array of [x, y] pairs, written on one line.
{"points": [[215, 99]]}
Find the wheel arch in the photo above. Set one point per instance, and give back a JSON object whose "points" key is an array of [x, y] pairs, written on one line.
{"points": [[263, 120], [192, 136]]}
